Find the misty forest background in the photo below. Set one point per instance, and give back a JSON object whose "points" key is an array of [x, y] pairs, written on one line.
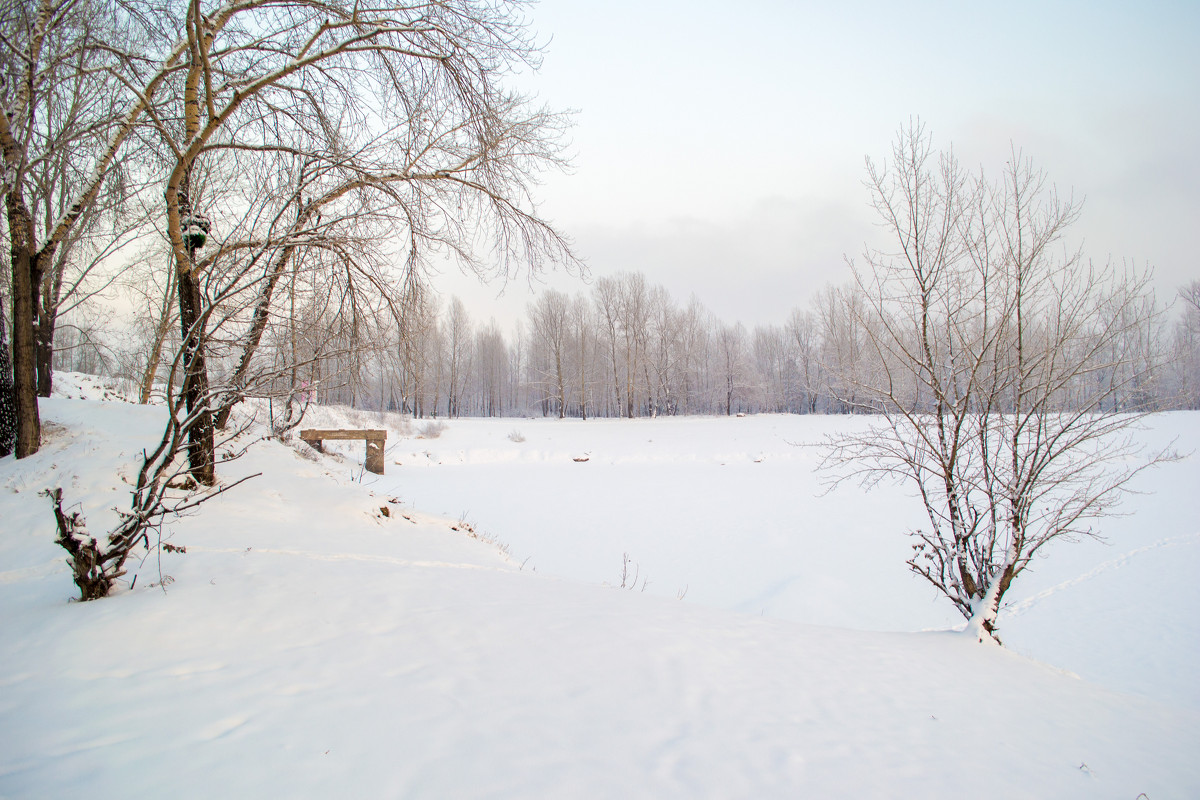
{"points": [[619, 347]]}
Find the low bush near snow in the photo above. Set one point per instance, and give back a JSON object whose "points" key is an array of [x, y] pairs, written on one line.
{"points": [[431, 430]]}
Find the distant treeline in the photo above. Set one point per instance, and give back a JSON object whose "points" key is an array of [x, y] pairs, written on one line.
{"points": [[624, 348]]}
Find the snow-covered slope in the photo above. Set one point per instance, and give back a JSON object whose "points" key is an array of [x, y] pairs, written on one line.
{"points": [[307, 645]]}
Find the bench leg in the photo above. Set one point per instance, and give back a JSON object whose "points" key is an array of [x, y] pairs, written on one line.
{"points": [[375, 456]]}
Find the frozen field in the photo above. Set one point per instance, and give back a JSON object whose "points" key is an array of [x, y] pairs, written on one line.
{"points": [[733, 512], [309, 646]]}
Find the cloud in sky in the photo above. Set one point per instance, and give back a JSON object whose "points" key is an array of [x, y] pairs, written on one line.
{"points": [[719, 147]]}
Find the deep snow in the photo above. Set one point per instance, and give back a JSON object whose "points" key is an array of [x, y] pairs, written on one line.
{"points": [[309, 646], [733, 512]]}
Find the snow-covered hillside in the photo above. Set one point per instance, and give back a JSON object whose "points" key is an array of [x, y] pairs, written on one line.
{"points": [[308, 645]]}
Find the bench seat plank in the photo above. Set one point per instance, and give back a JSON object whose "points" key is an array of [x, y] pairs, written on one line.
{"points": [[318, 434]]}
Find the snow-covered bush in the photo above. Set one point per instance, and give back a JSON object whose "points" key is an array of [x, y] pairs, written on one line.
{"points": [[431, 430]]}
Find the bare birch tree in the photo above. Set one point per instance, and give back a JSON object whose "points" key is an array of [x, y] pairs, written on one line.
{"points": [[459, 335], [583, 327], [802, 329], [732, 355], [985, 328], [550, 326]]}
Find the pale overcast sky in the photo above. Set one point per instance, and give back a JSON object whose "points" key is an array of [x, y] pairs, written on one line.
{"points": [[719, 147]]}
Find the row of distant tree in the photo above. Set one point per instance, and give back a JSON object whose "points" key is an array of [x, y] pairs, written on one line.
{"points": [[625, 348]]}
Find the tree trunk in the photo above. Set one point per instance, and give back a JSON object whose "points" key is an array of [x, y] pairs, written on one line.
{"points": [[44, 347], [562, 391], [26, 278], [199, 423], [161, 329], [49, 294], [201, 445], [982, 624], [8, 412]]}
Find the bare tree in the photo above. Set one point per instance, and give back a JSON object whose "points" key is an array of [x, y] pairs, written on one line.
{"points": [[693, 345], [607, 294], [1186, 349], [60, 133], [583, 327], [802, 329], [985, 331], [93, 254], [731, 345], [460, 340], [774, 360], [492, 360], [662, 348], [154, 326], [550, 323], [846, 359], [516, 366], [399, 107]]}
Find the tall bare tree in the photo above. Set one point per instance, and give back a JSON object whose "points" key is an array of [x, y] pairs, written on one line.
{"points": [[60, 134], [400, 107], [607, 294], [491, 360], [802, 329], [459, 336], [731, 353], [1186, 348], [550, 326], [584, 333]]}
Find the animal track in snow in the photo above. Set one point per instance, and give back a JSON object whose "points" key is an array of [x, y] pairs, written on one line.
{"points": [[1020, 607]]}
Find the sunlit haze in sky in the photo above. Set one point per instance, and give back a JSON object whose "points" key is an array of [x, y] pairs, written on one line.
{"points": [[719, 148]]}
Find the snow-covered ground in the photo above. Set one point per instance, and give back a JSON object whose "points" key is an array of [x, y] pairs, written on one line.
{"points": [[734, 513], [307, 645]]}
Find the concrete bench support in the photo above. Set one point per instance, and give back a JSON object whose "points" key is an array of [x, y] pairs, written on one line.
{"points": [[375, 442]]}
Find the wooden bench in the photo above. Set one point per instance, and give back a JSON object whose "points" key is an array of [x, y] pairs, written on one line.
{"points": [[375, 441]]}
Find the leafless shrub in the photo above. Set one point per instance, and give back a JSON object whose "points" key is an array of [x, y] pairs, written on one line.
{"points": [[630, 580], [431, 430], [469, 528]]}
